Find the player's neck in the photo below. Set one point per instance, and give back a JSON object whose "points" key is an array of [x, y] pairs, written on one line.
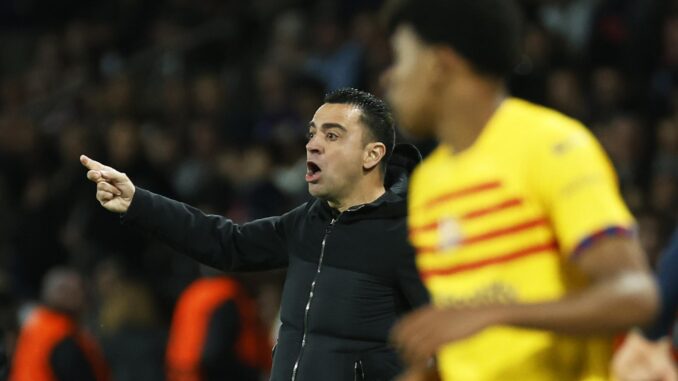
{"points": [[466, 109]]}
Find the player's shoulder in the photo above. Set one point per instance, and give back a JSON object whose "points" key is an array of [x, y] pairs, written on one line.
{"points": [[543, 122], [544, 128], [431, 163], [427, 172]]}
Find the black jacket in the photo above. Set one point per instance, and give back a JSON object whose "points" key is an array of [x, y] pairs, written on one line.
{"points": [[350, 275]]}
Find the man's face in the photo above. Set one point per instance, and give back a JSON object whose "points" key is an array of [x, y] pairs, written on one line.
{"points": [[411, 82], [335, 151], [68, 293]]}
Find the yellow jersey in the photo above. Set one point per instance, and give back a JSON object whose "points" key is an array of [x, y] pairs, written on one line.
{"points": [[500, 223]]}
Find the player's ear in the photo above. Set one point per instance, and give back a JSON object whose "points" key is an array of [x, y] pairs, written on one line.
{"points": [[449, 62], [441, 68], [373, 154]]}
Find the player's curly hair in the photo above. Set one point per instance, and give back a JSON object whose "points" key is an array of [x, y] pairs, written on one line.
{"points": [[485, 32]]}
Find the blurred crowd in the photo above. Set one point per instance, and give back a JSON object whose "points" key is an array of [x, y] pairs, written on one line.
{"points": [[208, 102]]}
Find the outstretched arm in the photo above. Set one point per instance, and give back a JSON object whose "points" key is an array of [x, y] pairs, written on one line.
{"points": [[212, 240]]}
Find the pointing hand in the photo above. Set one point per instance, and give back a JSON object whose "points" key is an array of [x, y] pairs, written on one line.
{"points": [[114, 189]]}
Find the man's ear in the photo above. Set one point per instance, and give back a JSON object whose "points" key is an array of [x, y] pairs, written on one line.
{"points": [[374, 152]]}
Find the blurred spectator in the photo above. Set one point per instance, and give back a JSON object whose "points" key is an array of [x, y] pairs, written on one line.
{"points": [[664, 186], [664, 192], [654, 227], [570, 19], [621, 138], [216, 334], [530, 76], [129, 326], [564, 93], [334, 58], [195, 173], [51, 345], [609, 95], [625, 33]]}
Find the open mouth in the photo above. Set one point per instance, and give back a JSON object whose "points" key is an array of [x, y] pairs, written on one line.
{"points": [[312, 171]]}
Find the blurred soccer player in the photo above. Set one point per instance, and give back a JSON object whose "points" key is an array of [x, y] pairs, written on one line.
{"points": [[521, 235]]}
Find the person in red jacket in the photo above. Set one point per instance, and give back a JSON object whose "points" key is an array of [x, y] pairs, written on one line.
{"points": [[216, 334], [51, 345]]}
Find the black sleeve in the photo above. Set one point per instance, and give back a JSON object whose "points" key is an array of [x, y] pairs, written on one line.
{"points": [[69, 362], [668, 290], [409, 281], [212, 240], [218, 359]]}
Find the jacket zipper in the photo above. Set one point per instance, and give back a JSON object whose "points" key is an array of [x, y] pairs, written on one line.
{"points": [[358, 371], [310, 297]]}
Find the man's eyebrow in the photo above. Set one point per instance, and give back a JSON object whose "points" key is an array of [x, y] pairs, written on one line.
{"points": [[327, 126]]}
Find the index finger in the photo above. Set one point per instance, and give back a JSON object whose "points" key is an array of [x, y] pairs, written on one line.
{"points": [[91, 164]]}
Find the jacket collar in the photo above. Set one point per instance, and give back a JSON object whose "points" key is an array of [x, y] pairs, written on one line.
{"points": [[393, 203]]}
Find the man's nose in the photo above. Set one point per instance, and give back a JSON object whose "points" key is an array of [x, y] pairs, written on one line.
{"points": [[313, 146]]}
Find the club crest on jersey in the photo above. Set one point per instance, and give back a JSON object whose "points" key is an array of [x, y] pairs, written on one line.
{"points": [[449, 232]]}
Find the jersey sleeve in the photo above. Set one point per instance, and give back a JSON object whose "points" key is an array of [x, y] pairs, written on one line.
{"points": [[578, 187]]}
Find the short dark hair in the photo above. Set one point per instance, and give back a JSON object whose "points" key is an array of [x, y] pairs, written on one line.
{"points": [[485, 32], [376, 116]]}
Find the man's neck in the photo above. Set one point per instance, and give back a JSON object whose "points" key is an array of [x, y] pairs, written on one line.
{"points": [[62, 311], [466, 109], [359, 196]]}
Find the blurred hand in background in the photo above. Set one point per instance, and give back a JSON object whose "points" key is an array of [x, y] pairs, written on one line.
{"points": [[640, 359]]}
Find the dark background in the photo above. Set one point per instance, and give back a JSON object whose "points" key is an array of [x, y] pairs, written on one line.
{"points": [[207, 101]]}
